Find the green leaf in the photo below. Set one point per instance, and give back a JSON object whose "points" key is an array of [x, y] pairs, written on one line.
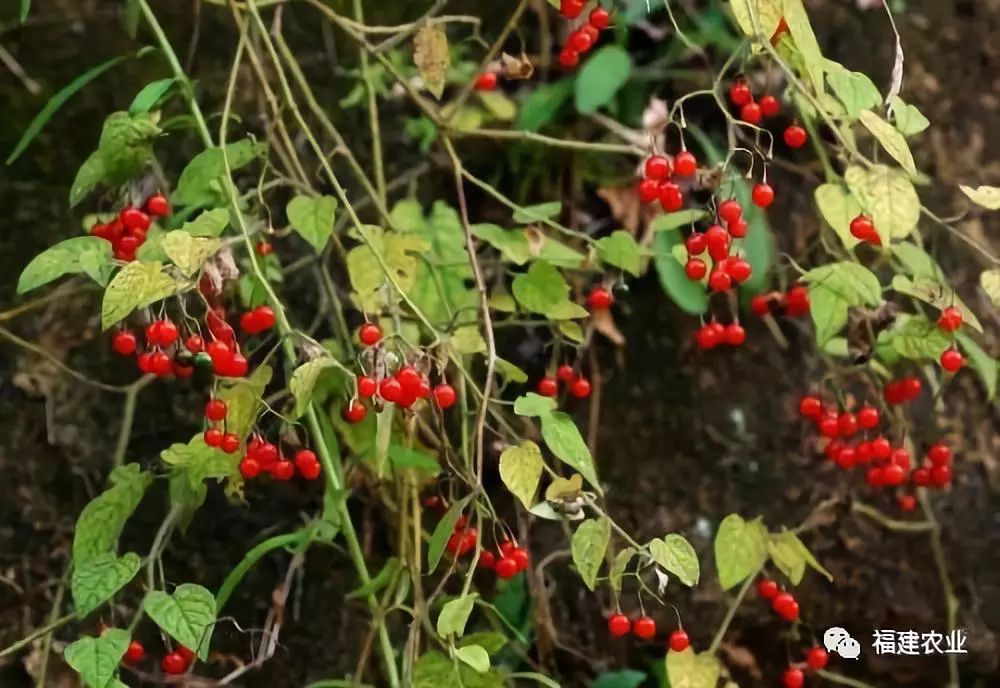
{"points": [[681, 218], [475, 656], [304, 380], [520, 471], [101, 521], [498, 105], [532, 404], [791, 557], [187, 252], [199, 461], [690, 296], [805, 40], [58, 100], [985, 196], [312, 218], [626, 678], [982, 362], [589, 545], [892, 141], [209, 224], [854, 89], [454, 615], [564, 440], [838, 206], [618, 565], [186, 616], [136, 285], [467, 340], [22, 15], [542, 289], [97, 579], [833, 289], [908, 119], [758, 19], [512, 243], [510, 372], [572, 331], [66, 257], [916, 261], [600, 78], [405, 458], [537, 213], [989, 280], [740, 550], [542, 105], [200, 183], [491, 641], [675, 554], [917, 338], [888, 196], [151, 95], [443, 531], [97, 659], [434, 670], [620, 250], [244, 399], [689, 670], [938, 295], [186, 497]]}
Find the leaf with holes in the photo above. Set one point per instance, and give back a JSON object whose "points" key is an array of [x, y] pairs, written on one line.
{"points": [[454, 615], [520, 471], [675, 554], [588, 547], [97, 659], [98, 579], [67, 257], [740, 549], [312, 217], [889, 198], [186, 616], [892, 141]]}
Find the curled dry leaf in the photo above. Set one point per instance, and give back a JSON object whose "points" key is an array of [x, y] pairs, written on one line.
{"points": [[430, 54], [604, 322], [516, 68]]}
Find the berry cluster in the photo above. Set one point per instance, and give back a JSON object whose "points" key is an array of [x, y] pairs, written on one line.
{"points": [[753, 112], [258, 320], [950, 321], [794, 304], [585, 36], [508, 561], [714, 333], [578, 386], [619, 625], [816, 660], [657, 183], [264, 457], [782, 603], [127, 232], [717, 242], [174, 663]]}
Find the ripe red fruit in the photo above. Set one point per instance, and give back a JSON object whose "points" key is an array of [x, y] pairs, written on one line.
{"points": [[797, 301], [719, 281], [846, 458], [911, 388], [750, 113], [810, 407], [939, 455], [444, 395], [487, 560], [215, 409], [950, 319], [893, 475], [739, 269], [219, 352], [134, 219], [679, 641], [307, 464], [391, 390], [263, 318], [739, 93], [793, 678], [922, 477], [506, 568], [580, 388], [571, 9], [520, 557], [760, 305], [194, 343], [230, 443], [785, 606], [763, 195], [735, 334], [708, 337], [863, 452], [283, 470], [568, 58], [600, 299], [644, 627], [901, 458], [767, 588], [952, 360], [730, 210], [847, 424], [795, 136], [267, 455], [770, 106], [355, 411], [237, 366], [486, 81], [566, 373], [685, 164], [829, 426], [906, 502], [124, 343], [157, 205], [881, 449], [833, 449], [548, 387], [671, 197], [817, 658], [186, 654], [135, 652], [173, 663], [410, 379], [874, 477], [657, 167], [264, 248], [738, 229], [369, 334], [717, 242], [619, 625], [695, 269], [506, 547], [695, 244], [868, 418], [579, 41], [941, 475], [213, 437], [366, 386], [649, 190], [161, 364], [600, 19]]}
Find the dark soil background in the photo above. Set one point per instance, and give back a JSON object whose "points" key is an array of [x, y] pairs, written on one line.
{"points": [[684, 438]]}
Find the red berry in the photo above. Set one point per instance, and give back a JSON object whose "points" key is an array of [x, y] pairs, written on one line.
{"points": [[486, 81], [868, 418], [579, 41], [267, 455], [600, 299], [941, 475], [767, 588], [215, 409], [161, 364], [520, 557], [671, 197], [717, 242], [157, 205], [571, 9], [785, 606], [506, 568], [186, 654], [366, 386], [847, 424], [580, 388], [708, 337], [173, 663], [760, 305], [566, 373], [213, 437], [730, 210], [863, 452], [833, 449], [355, 411], [952, 360], [679, 641], [719, 281], [194, 343], [124, 343], [739, 269], [893, 475], [901, 458], [695, 269], [810, 407], [828, 426], [797, 301], [166, 333], [391, 390], [950, 319], [795, 136], [599, 18], [619, 625], [369, 334], [863, 229], [793, 678], [770, 106], [874, 477], [264, 248], [738, 229], [922, 477], [444, 395], [263, 318], [644, 627], [846, 457], [410, 380], [695, 244], [548, 387], [750, 113], [735, 334], [817, 658], [657, 167], [236, 366], [911, 388], [487, 560], [763, 195], [134, 219], [685, 164], [506, 548], [906, 502], [881, 449], [739, 93], [135, 652], [219, 352], [230, 443], [568, 58], [939, 455], [649, 190], [283, 470]]}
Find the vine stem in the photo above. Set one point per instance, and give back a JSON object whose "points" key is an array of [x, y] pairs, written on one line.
{"points": [[950, 601], [373, 123], [36, 634], [731, 613]]}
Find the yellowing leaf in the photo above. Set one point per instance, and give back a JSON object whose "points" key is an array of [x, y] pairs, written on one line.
{"points": [[805, 40], [889, 198], [838, 206], [907, 118], [618, 566], [740, 549], [892, 141], [520, 471], [187, 252], [676, 555], [758, 19], [588, 547], [990, 282], [689, 670], [431, 56], [475, 656], [937, 294], [986, 196], [136, 285], [454, 615]]}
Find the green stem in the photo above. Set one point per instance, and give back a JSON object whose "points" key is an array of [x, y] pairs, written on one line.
{"points": [[251, 558], [36, 634], [721, 633], [377, 165]]}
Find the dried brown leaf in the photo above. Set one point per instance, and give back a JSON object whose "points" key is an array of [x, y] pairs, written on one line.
{"points": [[517, 68], [430, 54], [604, 322]]}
